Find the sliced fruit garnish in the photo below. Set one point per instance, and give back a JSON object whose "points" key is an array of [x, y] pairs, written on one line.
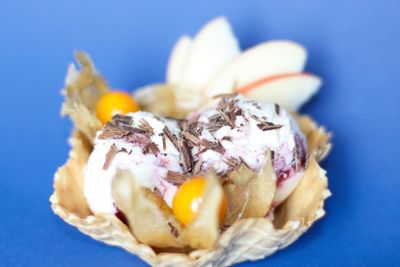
{"points": [[290, 90], [177, 59], [264, 60], [213, 47]]}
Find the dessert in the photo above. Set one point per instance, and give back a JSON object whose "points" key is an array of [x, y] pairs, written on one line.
{"points": [[162, 153], [213, 169]]}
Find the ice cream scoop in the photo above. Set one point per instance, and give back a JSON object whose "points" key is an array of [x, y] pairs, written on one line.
{"points": [[237, 131], [140, 142], [162, 152]]}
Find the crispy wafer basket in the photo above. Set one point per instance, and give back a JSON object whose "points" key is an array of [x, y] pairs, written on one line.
{"points": [[245, 239]]}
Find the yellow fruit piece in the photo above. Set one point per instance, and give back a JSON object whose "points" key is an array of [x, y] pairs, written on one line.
{"points": [[188, 198], [113, 103]]}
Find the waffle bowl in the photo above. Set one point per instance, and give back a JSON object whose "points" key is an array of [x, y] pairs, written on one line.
{"points": [[246, 239]]}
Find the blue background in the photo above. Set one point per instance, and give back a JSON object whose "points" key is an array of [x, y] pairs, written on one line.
{"points": [[353, 45]]}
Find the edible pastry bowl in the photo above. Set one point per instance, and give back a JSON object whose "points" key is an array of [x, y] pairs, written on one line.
{"points": [[245, 239]]}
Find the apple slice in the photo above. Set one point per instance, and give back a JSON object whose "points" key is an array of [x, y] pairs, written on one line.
{"points": [[289, 90], [213, 47], [177, 59], [264, 60]]}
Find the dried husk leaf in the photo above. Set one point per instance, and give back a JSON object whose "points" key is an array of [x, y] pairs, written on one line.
{"points": [[68, 180], [237, 195], [305, 198], [246, 239], [203, 231], [262, 190], [318, 139], [251, 193], [161, 99], [82, 91], [157, 98], [148, 216]]}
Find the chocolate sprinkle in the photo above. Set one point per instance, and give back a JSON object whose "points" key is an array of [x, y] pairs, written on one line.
{"points": [[244, 163], [277, 109], [197, 167], [113, 131], [171, 137], [217, 147], [227, 119], [110, 156], [191, 137], [151, 148], [164, 142], [268, 126], [232, 162], [227, 138], [122, 119], [264, 125], [132, 130], [174, 231], [145, 125], [185, 155], [175, 178]]}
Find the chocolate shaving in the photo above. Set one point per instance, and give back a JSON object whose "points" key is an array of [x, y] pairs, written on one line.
{"points": [[110, 156], [113, 131], [204, 149], [174, 231], [227, 138], [175, 178], [194, 128], [151, 148], [232, 162], [145, 125], [123, 150], [197, 167], [232, 115], [244, 162], [268, 126], [171, 137], [122, 119], [256, 105], [164, 142], [264, 125], [227, 119], [191, 137], [217, 147], [222, 104], [185, 155], [132, 130], [277, 109]]}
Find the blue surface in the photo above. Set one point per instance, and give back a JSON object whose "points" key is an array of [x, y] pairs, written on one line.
{"points": [[353, 45]]}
